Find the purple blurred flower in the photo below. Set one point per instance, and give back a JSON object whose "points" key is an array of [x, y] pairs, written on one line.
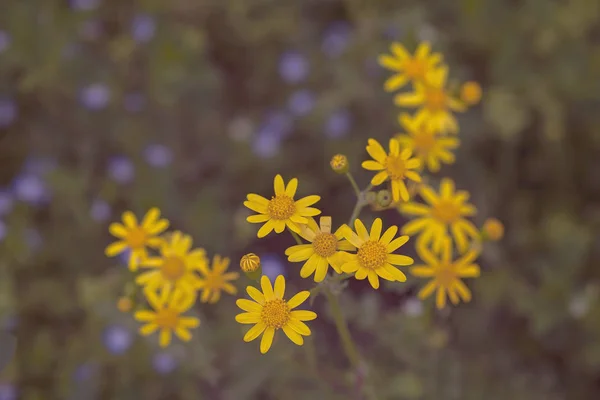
{"points": [[121, 169], [117, 339], [301, 102], [336, 38], [164, 363], [134, 102], [2, 231], [7, 392], [8, 112], [143, 28], [6, 202], [124, 257], [84, 5], [100, 210], [30, 189], [266, 143], [272, 266], [279, 122], [293, 67], [4, 41], [158, 155], [95, 96], [338, 124], [39, 165]]}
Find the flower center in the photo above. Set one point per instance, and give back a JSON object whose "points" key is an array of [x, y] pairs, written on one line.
{"points": [[372, 255], [325, 244], [445, 275], [395, 167], [214, 281], [275, 313], [414, 68], [435, 99], [173, 268], [281, 207], [166, 319], [424, 142], [136, 238], [445, 211]]}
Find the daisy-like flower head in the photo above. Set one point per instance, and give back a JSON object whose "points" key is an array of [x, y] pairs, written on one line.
{"points": [[429, 147], [374, 258], [136, 237], [446, 274], [270, 312], [444, 212], [396, 166], [281, 210], [215, 279], [166, 316], [408, 67], [176, 267], [435, 101], [325, 249]]}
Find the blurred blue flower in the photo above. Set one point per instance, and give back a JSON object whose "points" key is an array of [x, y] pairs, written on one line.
{"points": [[30, 188], [143, 28], [2, 231], [158, 155], [39, 165], [272, 266], [117, 339], [266, 143], [121, 169], [279, 122], [301, 102], [100, 210], [33, 238], [95, 96], [4, 41], [124, 257], [293, 67], [84, 5], [6, 202], [8, 392], [338, 124], [8, 112], [336, 38], [164, 363], [134, 102]]}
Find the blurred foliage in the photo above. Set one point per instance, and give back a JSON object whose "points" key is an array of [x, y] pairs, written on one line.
{"points": [[85, 81]]}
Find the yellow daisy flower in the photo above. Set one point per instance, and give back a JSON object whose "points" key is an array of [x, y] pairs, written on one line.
{"points": [[408, 67], [176, 266], [435, 101], [281, 210], [324, 249], [216, 279], [446, 274], [444, 212], [136, 237], [269, 312], [373, 258], [429, 147], [166, 316], [395, 166]]}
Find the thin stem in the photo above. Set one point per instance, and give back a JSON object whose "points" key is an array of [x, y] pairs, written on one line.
{"points": [[353, 183], [342, 328], [296, 237]]}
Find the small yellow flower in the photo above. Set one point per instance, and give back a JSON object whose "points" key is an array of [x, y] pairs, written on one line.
{"points": [[324, 249], [216, 279], [125, 304], [166, 316], [281, 210], [470, 93], [444, 212], [493, 229], [374, 258], [446, 274], [136, 237], [250, 262], [395, 166], [407, 67], [269, 312], [435, 102], [176, 266], [339, 164], [429, 147]]}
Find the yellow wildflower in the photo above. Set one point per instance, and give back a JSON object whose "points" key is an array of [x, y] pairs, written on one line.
{"points": [[250, 262], [429, 147], [324, 249], [470, 92], [166, 316], [435, 101], [176, 266], [339, 164], [493, 229], [281, 210], [446, 274], [395, 166], [125, 304], [408, 67], [136, 237], [269, 312], [444, 212], [374, 258], [216, 279]]}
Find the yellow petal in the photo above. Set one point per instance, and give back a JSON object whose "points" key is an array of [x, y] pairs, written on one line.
{"points": [[267, 340], [255, 294], [165, 337], [292, 185], [299, 326], [115, 248], [150, 217], [397, 259], [373, 279], [248, 305], [278, 185], [117, 230], [265, 229], [427, 290], [371, 165], [298, 299], [293, 336], [266, 287], [376, 151], [279, 289], [254, 332], [129, 219], [422, 271], [148, 329], [303, 315], [248, 318], [379, 178], [396, 243]]}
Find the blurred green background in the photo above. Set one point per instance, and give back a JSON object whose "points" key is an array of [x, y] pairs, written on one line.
{"points": [[108, 105]]}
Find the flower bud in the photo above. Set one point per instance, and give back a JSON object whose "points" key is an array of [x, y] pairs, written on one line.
{"points": [[384, 198], [250, 264], [124, 304], [339, 164], [470, 93], [371, 198], [492, 229]]}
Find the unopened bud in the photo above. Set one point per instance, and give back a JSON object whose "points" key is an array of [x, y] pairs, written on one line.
{"points": [[371, 198], [384, 198], [492, 229], [124, 304], [250, 264], [470, 93], [339, 164]]}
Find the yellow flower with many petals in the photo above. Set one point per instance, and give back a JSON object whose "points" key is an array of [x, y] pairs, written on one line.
{"points": [[281, 210], [374, 258], [408, 67], [216, 280], [435, 101], [444, 212], [137, 238], [176, 266], [270, 312], [429, 147], [325, 249], [395, 166], [446, 274], [166, 316]]}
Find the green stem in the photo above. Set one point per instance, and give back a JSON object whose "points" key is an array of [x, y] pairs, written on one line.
{"points": [[296, 237], [353, 183], [360, 203], [342, 328]]}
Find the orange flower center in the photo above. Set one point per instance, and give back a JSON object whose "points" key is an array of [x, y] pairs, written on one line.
{"points": [[446, 211], [167, 318], [435, 99], [136, 238], [281, 207], [414, 68], [275, 313], [173, 268], [395, 167], [446, 275], [325, 244], [372, 255], [424, 142]]}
